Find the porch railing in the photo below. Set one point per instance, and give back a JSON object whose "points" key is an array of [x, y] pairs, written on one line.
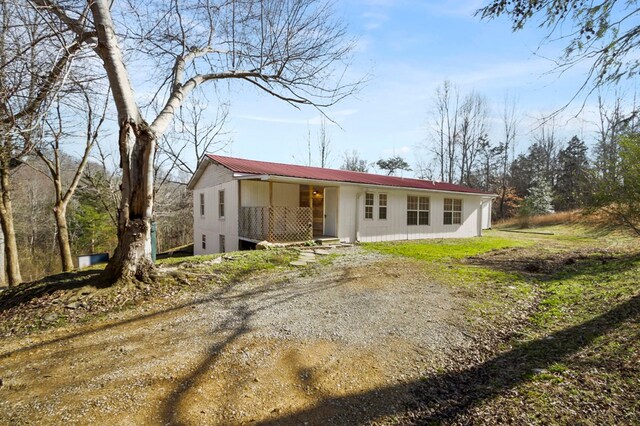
{"points": [[276, 224]]}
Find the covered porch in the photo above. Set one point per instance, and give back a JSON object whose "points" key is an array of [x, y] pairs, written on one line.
{"points": [[283, 212]]}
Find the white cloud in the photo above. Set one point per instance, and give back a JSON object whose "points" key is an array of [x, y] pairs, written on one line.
{"points": [[374, 20], [402, 151]]}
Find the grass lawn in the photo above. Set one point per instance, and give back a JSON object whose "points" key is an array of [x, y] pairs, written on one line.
{"points": [[566, 308]]}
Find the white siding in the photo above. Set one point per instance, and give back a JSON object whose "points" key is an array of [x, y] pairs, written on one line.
{"points": [[351, 223], [486, 214], [214, 174], [256, 194], [210, 224], [347, 210], [395, 226]]}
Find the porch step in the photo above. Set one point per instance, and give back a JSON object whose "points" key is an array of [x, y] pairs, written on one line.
{"points": [[328, 241]]}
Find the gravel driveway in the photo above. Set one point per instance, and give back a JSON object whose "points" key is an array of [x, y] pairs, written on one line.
{"points": [[337, 342]]}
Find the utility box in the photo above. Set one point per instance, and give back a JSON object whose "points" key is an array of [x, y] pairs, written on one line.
{"points": [[86, 260], [154, 241]]}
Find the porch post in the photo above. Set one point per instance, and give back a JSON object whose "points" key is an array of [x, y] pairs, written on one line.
{"points": [[311, 207], [270, 230]]}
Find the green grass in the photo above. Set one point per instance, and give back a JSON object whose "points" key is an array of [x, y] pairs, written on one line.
{"points": [[578, 292], [443, 249], [570, 305], [234, 265]]}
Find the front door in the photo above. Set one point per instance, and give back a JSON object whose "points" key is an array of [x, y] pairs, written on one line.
{"points": [[331, 212], [317, 198]]}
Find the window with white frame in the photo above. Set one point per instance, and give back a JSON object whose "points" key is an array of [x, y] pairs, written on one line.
{"points": [[221, 204], [202, 204], [222, 249], [417, 210], [204, 242], [368, 205], [452, 211], [382, 206]]}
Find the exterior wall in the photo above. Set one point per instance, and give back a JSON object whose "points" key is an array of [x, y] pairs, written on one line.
{"points": [[255, 193], [486, 214], [215, 178], [351, 216], [351, 224]]}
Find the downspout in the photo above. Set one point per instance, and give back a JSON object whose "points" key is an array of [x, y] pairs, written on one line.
{"points": [[358, 198]]}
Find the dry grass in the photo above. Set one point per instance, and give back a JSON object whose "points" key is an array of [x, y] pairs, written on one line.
{"points": [[572, 217]]}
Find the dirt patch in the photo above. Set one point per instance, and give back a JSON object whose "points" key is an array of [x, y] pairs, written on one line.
{"points": [[260, 351], [543, 261]]}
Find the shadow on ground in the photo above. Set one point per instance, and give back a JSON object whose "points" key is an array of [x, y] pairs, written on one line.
{"points": [[447, 396], [436, 398], [14, 296]]}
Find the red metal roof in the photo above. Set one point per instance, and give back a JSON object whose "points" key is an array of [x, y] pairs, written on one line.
{"points": [[239, 165]]}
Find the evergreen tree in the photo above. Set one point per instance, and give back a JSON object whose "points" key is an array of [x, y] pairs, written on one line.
{"points": [[535, 164], [539, 198], [572, 187]]}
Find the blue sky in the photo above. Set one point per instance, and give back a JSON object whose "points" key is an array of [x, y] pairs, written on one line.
{"points": [[409, 48]]}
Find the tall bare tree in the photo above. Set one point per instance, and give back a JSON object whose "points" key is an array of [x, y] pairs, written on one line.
{"points": [[506, 149], [289, 49], [459, 127], [472, 133], [49, 152], [34, 59], [195, 131], [447, 100], [352, 161]]}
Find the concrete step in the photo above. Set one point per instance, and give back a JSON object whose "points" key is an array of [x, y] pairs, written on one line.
{"points": [[328, 241]]}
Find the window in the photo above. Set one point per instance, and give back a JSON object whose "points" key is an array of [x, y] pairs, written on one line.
{"points": [[221, 204], [204, 242], [222, 250], [452, 211], [417, 210], [368, 205], [202, 204], [382, 206]]}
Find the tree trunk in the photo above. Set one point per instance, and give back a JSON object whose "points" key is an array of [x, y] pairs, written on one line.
{"points": [[132, 257], [12, 266], [60, 213], [137, 143]]}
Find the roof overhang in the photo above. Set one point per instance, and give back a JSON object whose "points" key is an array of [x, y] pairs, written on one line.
{"points": [[202, 166], [286, 179]]}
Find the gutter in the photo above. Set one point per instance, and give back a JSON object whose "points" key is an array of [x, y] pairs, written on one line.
{"points": [[285, 179]]}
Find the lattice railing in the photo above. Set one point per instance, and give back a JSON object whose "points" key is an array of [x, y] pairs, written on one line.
{"points": [[276, 224]]}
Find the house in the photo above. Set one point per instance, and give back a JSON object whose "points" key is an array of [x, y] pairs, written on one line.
{"points": [[240, 202]]}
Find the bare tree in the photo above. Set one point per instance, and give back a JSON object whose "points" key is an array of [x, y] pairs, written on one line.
{"points": [[472, 133], [460, 124], [506, 149], [192, 135], [324, 145], [352, 161], [447, 101], [288, 49], [321, 148], [547, 141], [34, 59], [50, 154], [611, 125]]}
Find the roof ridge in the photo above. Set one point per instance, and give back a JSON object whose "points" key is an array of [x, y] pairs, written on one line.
{"points": [[257, 167]]}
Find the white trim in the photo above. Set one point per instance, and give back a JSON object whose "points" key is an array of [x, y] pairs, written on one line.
{"points": [[368, 187]]}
